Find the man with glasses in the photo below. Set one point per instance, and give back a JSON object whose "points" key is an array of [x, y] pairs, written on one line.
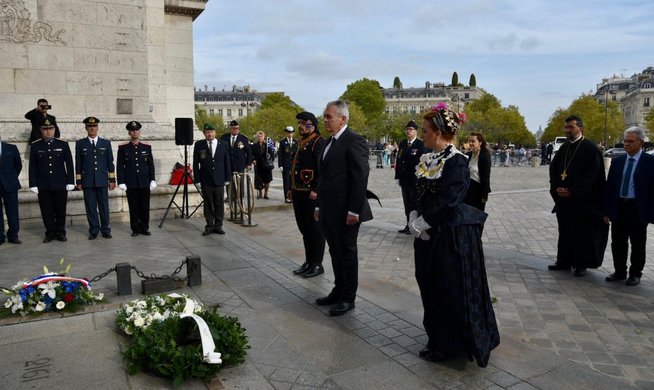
{"points": [[94, 164], [37, 116], [577, 188], [287, 149], [304, 192]]}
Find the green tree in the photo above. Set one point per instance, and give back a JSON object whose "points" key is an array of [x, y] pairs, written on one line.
{"points": [[473, 80], [201, 117], [499, 124], [367, 95], [649, 124], [397, 83], [455, 79], [395, 123], [358, 120], [275, 113], [279, 100]]}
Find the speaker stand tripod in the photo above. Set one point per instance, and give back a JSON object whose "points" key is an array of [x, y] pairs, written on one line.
{"points": [[184, 209]]}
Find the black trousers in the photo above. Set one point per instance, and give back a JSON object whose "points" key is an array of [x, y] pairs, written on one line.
{"points": [[10, 200], [53, 212], [342, 240], [628, 228], [314, 242], [286, 179], [138, 200], [407, 199], [214, 208]]}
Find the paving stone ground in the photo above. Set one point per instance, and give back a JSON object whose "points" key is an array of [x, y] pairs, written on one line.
{"points": [[557, 331]]}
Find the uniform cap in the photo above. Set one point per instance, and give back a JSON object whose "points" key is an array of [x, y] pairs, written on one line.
{"points": [[133, 125], [46, 124], [209, 127], [233, 123], [412, 124], [91, 120], [289, 129]]}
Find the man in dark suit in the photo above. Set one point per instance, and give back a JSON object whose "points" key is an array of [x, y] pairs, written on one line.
{"points": [[37, 116], [342, 203], [212, 171], [240, 151], [10, 167], [94, 163], [135, 174], [287, 149], [408, 156], [51, 177], [629, 206]]}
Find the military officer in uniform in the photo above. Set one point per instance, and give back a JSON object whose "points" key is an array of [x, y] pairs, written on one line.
{"points": [[94, 164], [240, 151], [135, 175], [408, 157], [51, 176], [304, 183], [287, 149]]}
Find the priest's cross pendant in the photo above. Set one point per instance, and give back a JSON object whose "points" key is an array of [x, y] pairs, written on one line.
{"points": [[564, 175]]}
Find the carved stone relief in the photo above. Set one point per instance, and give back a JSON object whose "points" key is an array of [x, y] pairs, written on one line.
{"points": [[16, 25]]}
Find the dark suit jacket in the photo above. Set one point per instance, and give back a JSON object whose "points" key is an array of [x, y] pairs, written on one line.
{"points": [[51, 165], [135, 165], [484, 165], [286, 153], [344, 180], [95, 168], [210, 171], [36, 118], [407, 159], [10, 167], [643, 187], [241, 154]]}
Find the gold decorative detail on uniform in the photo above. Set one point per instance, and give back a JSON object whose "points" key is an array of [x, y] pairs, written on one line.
{"points": [[112, 175], [566, 163]]}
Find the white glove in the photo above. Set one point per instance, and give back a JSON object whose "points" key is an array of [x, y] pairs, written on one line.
{"points": [[418, 226], [199, 185], [226, 183], [122, 186], [70, 187], [413, 215], [34, 189], [153, 185], [281, 169], [397, 181]]}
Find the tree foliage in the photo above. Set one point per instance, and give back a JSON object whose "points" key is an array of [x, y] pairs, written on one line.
{"points": [[397, 83], [367, 95], [395, 123], [596, 116], [275, 113], [279, 100], [473, 80], [455, 79], [202, 117], [649, 124], [502, 125]]}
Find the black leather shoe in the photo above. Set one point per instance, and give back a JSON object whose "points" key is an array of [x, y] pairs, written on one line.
{"points": [[206, 232], [134, 234], [341, 308], [107, 235], [219, 231], [146, 233], [614, 277], [93, 236], [435, 356], [579, 271], [556, 267], [424, 352], [328, 300], [62, 238], [47, 240], [15, 241], [405, 230], [632, 281], [303, 268], [314, 270]]}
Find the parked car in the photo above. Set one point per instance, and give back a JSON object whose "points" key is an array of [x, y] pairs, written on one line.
{"points": [[614, 152], [558, 141]]}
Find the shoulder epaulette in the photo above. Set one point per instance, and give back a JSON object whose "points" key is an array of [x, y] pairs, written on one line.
{"points": [[37, 140]]}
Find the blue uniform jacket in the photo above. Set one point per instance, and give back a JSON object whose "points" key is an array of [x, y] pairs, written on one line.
{"points": [[95, 168], [135, 165], [210, 171], [10, 167], [51, 165]]}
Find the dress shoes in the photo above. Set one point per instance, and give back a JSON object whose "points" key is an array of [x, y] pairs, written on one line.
{"points": [[219, 231], [632, 281], [206, 232], [134, 234], [62, 238], [579, 271], [328, 300], [303, 268], [47, 240], [146, 233], [614, 277], [405, 230], [341, 308], [107, 235], [93, 236], [433, 356], [15, 241], [556, 267], [314, 270]]}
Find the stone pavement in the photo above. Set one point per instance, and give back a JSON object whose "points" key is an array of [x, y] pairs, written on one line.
{"points": [[558, 332]]}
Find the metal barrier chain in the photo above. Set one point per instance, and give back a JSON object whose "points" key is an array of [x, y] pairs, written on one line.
{"points": [[102, 275], [155, 276]]}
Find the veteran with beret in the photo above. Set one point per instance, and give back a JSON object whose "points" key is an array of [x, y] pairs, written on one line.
{"points": [[51, 176], [135, 176], [94, 164]]}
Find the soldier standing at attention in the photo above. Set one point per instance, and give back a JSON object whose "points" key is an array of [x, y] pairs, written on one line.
{"points": [[94, 163], [135, 174], [287, 149]]}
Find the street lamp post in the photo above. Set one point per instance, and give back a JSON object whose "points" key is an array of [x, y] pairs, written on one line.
{"points": [[606, 115]]}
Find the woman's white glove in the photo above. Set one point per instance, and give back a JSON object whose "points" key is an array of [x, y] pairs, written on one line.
{"points": [[70, 187], [122, 186], [418, 227], [34, 189], [153, 185], [413, 215]]}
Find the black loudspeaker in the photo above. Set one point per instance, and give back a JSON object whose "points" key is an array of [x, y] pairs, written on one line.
{"points": [[183, 131]]}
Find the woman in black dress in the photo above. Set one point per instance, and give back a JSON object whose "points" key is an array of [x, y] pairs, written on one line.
{"points": [[479, 163], [450, 268], [262, 158]]}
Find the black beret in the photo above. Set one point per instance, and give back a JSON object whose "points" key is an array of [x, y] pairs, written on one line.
{"points": [[233, 123], [133, 125], [412, 124], [91, 120], [307, 116]]}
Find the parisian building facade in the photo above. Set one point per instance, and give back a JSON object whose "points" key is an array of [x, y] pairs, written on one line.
{"points": [[416, 100], [234, 104], [635, 95]]}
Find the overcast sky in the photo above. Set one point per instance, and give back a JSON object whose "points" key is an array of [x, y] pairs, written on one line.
{"points": [[537, 55]]}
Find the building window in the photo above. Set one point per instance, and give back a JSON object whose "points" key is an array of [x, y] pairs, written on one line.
{"points": [[394, 109], [613, 97], [220, 111], [229, 112], [405, 109], [211, 98], [413, 109], [240, 112], [647, 85], [211, 111], [646, 102], [422, 108], [388, 109], [249, 111], [466, 95]]}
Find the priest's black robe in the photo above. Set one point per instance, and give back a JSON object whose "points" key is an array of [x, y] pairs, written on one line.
{"points": [[583, 235]]}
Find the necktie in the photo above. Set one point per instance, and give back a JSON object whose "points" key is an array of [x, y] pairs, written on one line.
{"points": [[332, 140], [627, 178], [93, 144], [213, 148], [233, 140]]}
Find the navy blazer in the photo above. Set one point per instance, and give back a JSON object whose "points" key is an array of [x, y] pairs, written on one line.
{"points": [[643, 187], [135, 165], [407, 160], [10, 167], [210, 171], [241, 154], [344, 179], [95, 168], [286, 153], [51, 165]]}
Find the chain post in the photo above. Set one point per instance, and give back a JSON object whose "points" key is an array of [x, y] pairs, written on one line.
{"points": [[124, 278], [194, 271]]}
